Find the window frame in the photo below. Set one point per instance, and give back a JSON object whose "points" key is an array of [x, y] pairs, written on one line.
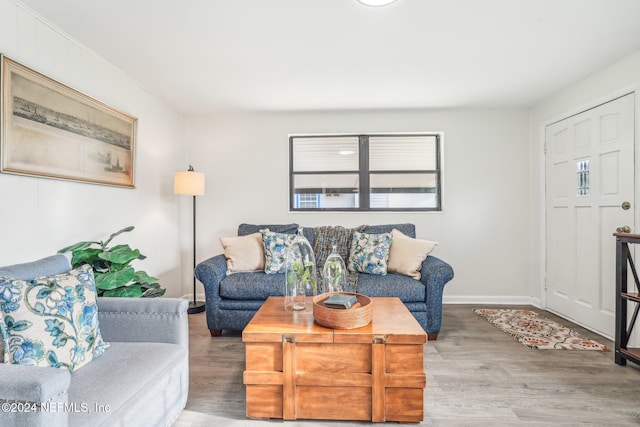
{"points": [[363, 172]]}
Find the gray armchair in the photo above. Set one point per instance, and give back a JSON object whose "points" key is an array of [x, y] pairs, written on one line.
{"points": [[141, 380]]}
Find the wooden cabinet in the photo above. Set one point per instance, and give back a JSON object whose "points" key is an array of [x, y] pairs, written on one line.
{"points": [[297, 369], [624, 298]]}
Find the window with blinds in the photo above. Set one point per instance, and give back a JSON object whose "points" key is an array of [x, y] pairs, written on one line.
{"points": [[365, 172]]}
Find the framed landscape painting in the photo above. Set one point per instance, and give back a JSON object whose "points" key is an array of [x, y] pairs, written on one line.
{"points": [[51, 130]]}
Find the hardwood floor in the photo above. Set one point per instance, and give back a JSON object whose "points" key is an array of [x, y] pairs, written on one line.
{"points": [[476, 375]]}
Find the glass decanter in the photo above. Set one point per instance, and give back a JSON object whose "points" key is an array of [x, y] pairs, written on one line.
{"points": [[334, 272], [300, 273]]}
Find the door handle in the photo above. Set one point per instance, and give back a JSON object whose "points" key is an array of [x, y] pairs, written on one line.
{"points": [[623, 229]]}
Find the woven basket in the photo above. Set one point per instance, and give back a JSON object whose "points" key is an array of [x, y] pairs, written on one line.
{"points": [[336, 318]]}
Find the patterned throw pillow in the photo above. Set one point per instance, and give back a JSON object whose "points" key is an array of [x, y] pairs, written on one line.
{"points": [[275, 250], [369, 253], [52, 320]]}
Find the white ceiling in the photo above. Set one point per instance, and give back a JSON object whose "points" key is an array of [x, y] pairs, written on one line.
{"points": [[204, 56]]}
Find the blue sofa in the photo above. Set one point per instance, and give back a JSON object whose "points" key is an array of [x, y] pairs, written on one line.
{"points": [[232, 300], [141, 380]]}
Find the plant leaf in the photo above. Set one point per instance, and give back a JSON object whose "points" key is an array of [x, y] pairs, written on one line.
{"points": [[85, 256], [133, 291], [77, 246], [115, 279], [154, 292], [143, 277], [121, 254], [117, 233]]}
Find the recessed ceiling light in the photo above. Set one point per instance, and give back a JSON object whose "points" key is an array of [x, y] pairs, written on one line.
{"points": [[375, 2], [346, 152]]}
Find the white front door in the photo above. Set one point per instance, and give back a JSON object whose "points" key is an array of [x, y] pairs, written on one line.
{"points": [[589, 194]]}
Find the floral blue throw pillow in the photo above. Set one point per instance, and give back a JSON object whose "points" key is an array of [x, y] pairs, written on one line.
{"points": [[369, 253], [51, 321], [275, 250]]}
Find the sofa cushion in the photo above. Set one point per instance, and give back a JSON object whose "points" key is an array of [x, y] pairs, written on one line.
{"points": [[392, 285], [148, 377], [244, 229], [406, 228], [369, 253], [252, 286], [51, 320], [243, 253], [406, 254], [275, 250]]}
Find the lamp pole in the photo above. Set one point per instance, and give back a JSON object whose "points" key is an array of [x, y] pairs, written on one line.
{"points": [[191, 183], [195, 306]]}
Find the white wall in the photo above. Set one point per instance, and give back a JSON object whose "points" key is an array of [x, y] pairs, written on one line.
{"points": [[39, 216], [613, 81], [491, 229], [483, 231]]}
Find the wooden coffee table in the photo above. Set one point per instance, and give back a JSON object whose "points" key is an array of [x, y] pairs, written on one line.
{"points": [[297, 369]]}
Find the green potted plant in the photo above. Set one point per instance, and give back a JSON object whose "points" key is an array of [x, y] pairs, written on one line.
{"points": [[112, 268]]}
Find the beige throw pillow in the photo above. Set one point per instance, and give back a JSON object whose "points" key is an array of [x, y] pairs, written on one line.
{"points": [[406, 254], [243, 253]]}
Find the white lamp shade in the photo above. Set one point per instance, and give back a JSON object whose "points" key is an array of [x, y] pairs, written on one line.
{"points": [[189, 182]]}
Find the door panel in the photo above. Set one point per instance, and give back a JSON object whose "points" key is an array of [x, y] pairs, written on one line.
{"points": [[590, 173]]}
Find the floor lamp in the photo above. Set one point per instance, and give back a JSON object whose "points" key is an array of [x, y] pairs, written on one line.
{"points": [[191, 183]]}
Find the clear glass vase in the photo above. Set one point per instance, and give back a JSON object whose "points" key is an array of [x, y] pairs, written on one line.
{"points": [[300, 273], [334, 272]]}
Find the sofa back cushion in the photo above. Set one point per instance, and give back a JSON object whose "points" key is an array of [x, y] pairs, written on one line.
{"points": [[309, 234], [406, 229], [244, 229], [49, 266]]}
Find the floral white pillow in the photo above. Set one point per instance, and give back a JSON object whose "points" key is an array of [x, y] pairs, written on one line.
{"points": [[369, 253], [52, 320], [275, 250]]}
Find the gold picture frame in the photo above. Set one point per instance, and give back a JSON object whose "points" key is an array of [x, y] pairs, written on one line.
{"points": [[51, 130]]}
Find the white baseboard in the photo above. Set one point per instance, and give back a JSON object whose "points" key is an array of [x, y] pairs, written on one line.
{"points": [[491, 300]]}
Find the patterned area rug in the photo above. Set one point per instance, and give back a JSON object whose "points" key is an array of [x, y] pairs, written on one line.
{"points": [[536, 331]]}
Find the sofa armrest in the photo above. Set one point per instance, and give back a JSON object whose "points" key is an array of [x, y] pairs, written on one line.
{"points": [[435, 273], [33, 383], [435, 270], [211, 272], [144, 320], [33, 395]]}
